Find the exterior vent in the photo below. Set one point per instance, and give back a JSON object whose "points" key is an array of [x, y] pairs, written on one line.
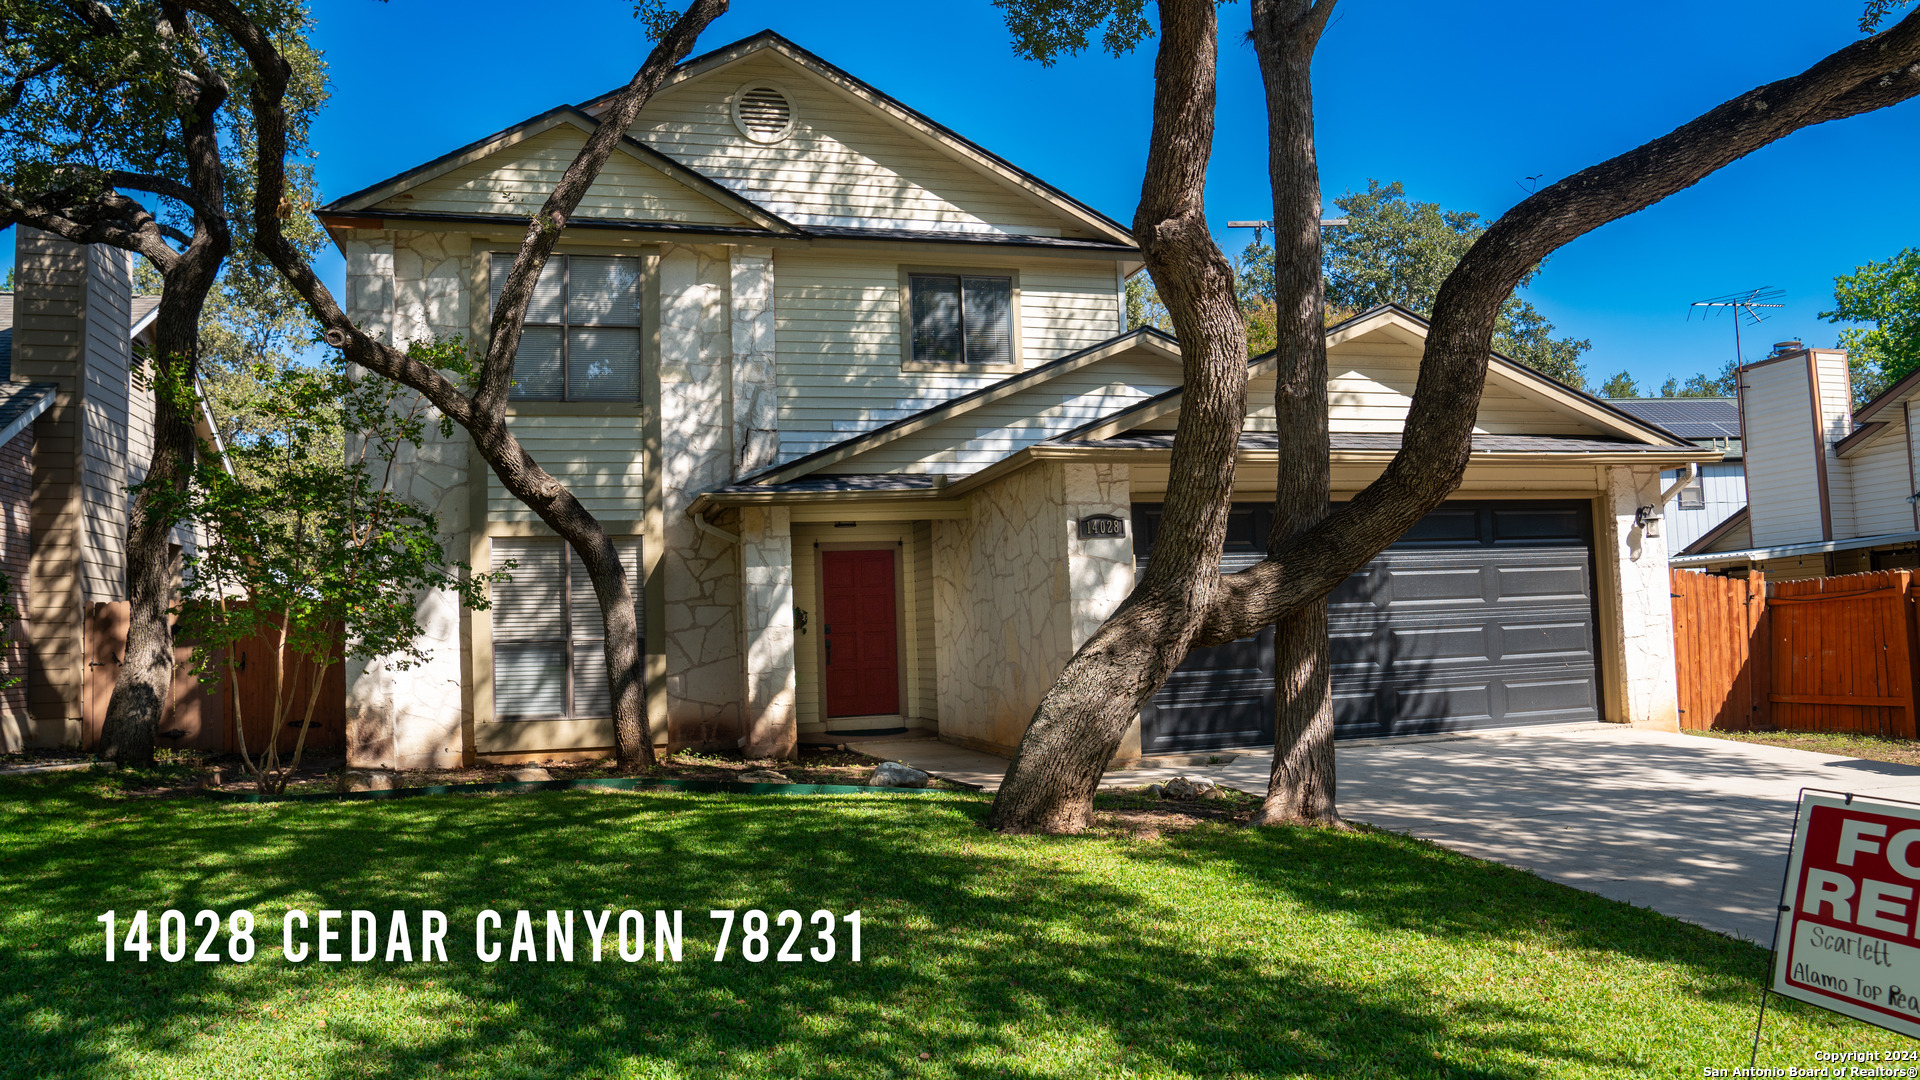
{"points": [[1782, 348], [763, 113]]}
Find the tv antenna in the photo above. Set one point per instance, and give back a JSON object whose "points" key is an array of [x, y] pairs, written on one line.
{"points": [[1744, 306]]}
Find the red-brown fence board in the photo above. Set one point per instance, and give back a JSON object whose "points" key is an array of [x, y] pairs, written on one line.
{"points": [[1827, 654]]}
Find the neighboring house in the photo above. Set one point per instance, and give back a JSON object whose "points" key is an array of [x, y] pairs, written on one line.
{"points": [[76, 430], [1830, 488], [858, 400], [1716, 490]]}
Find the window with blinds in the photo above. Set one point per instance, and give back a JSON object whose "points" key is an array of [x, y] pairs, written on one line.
{"points": [[961, 318], [581, 339], [549, 644]]}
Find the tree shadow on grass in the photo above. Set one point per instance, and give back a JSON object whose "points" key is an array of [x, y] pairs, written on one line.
{"points": [[992, 956]]}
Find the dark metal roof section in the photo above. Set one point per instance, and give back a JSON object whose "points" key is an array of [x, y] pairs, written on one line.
{"points": [[1390, 442], [1689, 418]]}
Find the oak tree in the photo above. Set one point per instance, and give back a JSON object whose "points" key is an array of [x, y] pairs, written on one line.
{"points": [[1181, 600], [117, 128], [476, 398]]}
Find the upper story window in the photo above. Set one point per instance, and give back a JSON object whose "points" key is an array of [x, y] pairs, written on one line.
{"points": [[962, 319], [581, 341], [1693, 496]]}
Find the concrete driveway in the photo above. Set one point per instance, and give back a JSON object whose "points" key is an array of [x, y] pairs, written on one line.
{"points": [[1693, 827]]}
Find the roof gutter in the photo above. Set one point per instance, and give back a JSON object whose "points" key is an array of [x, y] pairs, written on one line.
{"points": [[26, 419], [1787, 551]]}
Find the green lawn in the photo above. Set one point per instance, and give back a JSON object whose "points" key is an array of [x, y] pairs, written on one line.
{"points": [[1204, 951], [1843, 743]]}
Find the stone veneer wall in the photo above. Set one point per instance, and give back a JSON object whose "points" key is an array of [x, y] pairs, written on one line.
{"points": [[766, 613], [1641, 624], [704, 663], [1002, 618], [411, 286]]}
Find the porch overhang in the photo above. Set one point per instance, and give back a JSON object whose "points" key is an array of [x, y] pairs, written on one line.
{"points": [[1750, 556]]}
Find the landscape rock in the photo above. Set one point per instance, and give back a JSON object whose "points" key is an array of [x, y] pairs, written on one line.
{"points": [[367, 780], [894, 774], [531, 773], [1190, 787], [764, 776]]}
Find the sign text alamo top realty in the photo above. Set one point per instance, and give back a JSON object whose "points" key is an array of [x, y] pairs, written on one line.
{"points": [[1848, 939]]}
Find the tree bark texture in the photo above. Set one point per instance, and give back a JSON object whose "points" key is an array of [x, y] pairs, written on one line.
{"points": [[143, 686], [483, 413], [1181, 600], [1080, 721], [1285, 34]]}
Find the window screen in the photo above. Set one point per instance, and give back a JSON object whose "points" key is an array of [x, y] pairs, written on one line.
{"points": [[1692, 497], [581, 341], [961, 319], [549, 656]]}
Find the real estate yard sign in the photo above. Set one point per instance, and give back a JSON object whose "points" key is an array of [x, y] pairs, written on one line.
{"points": [[1847, 939]]}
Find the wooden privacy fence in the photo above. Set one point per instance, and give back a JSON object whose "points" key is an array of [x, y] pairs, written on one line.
{"points": [[198, 719], [1826, 654]]}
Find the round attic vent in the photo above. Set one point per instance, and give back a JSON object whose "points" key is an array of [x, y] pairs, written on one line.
{"points": [[762, 113]]}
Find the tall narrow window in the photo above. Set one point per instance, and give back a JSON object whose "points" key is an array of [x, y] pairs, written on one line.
{"points": [[549, 642], [961, 318], [581, 341]]}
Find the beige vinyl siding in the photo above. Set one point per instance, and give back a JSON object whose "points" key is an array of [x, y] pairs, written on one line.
{"points": [[518, 179], [104, 439], [1836, 415], [1880, 484], [837, 340], [1370, 387], [913, 542], [983, 435], [842, 165], [1783, 490], [597, 457]]}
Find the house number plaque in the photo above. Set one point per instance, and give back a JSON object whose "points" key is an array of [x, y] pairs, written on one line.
{"points": [[1102, 526]]}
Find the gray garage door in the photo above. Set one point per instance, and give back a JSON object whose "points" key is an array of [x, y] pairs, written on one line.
{"points": [[1481, 616]]}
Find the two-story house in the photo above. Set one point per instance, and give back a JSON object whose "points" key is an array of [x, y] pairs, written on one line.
{"points": [[860, 399], [1830, 488]]}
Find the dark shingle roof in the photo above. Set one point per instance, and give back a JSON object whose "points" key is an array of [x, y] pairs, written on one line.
{"points": [[19, 402], [1689, 418], [846, 482]]}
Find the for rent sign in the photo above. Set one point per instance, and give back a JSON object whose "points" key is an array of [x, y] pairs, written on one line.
{"points": [[1848, 939]]}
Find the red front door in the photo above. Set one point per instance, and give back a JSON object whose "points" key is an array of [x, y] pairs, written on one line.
{"points": [[861, 637]]}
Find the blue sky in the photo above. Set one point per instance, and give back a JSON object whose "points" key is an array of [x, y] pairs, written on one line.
{"points": [[1458, 101]]}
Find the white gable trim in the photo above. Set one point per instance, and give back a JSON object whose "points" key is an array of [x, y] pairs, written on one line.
{"points": [[1412, 329], [899, 116], [564, 116]]}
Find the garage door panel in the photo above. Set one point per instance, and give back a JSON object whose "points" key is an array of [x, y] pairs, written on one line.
{"points": [[1541, 582], [1551, 698], [1441, 706], [1556, 641], [1482, 616], [1439, 644], [1449, 585]]}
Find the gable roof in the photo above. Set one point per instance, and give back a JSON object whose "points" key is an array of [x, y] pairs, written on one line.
{"points": [[560, 116], [1146, 338], [1596, 410], [899, 115]]}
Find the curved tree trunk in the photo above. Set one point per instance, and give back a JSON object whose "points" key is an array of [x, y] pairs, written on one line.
{"points": [[483, 412], [1181, 601], [144, 684], [1079, 723], [1285, 33]]}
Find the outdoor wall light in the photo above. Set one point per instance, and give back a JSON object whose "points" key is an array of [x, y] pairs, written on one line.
{"points": [[1647, 520]]}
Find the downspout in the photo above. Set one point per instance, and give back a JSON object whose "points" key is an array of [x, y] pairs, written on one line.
{"points": [[1687, 476]]}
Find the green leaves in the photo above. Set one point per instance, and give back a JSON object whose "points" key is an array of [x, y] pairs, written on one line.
{"points": [[1394, 250], [1883, 298], [1043, 30]]}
